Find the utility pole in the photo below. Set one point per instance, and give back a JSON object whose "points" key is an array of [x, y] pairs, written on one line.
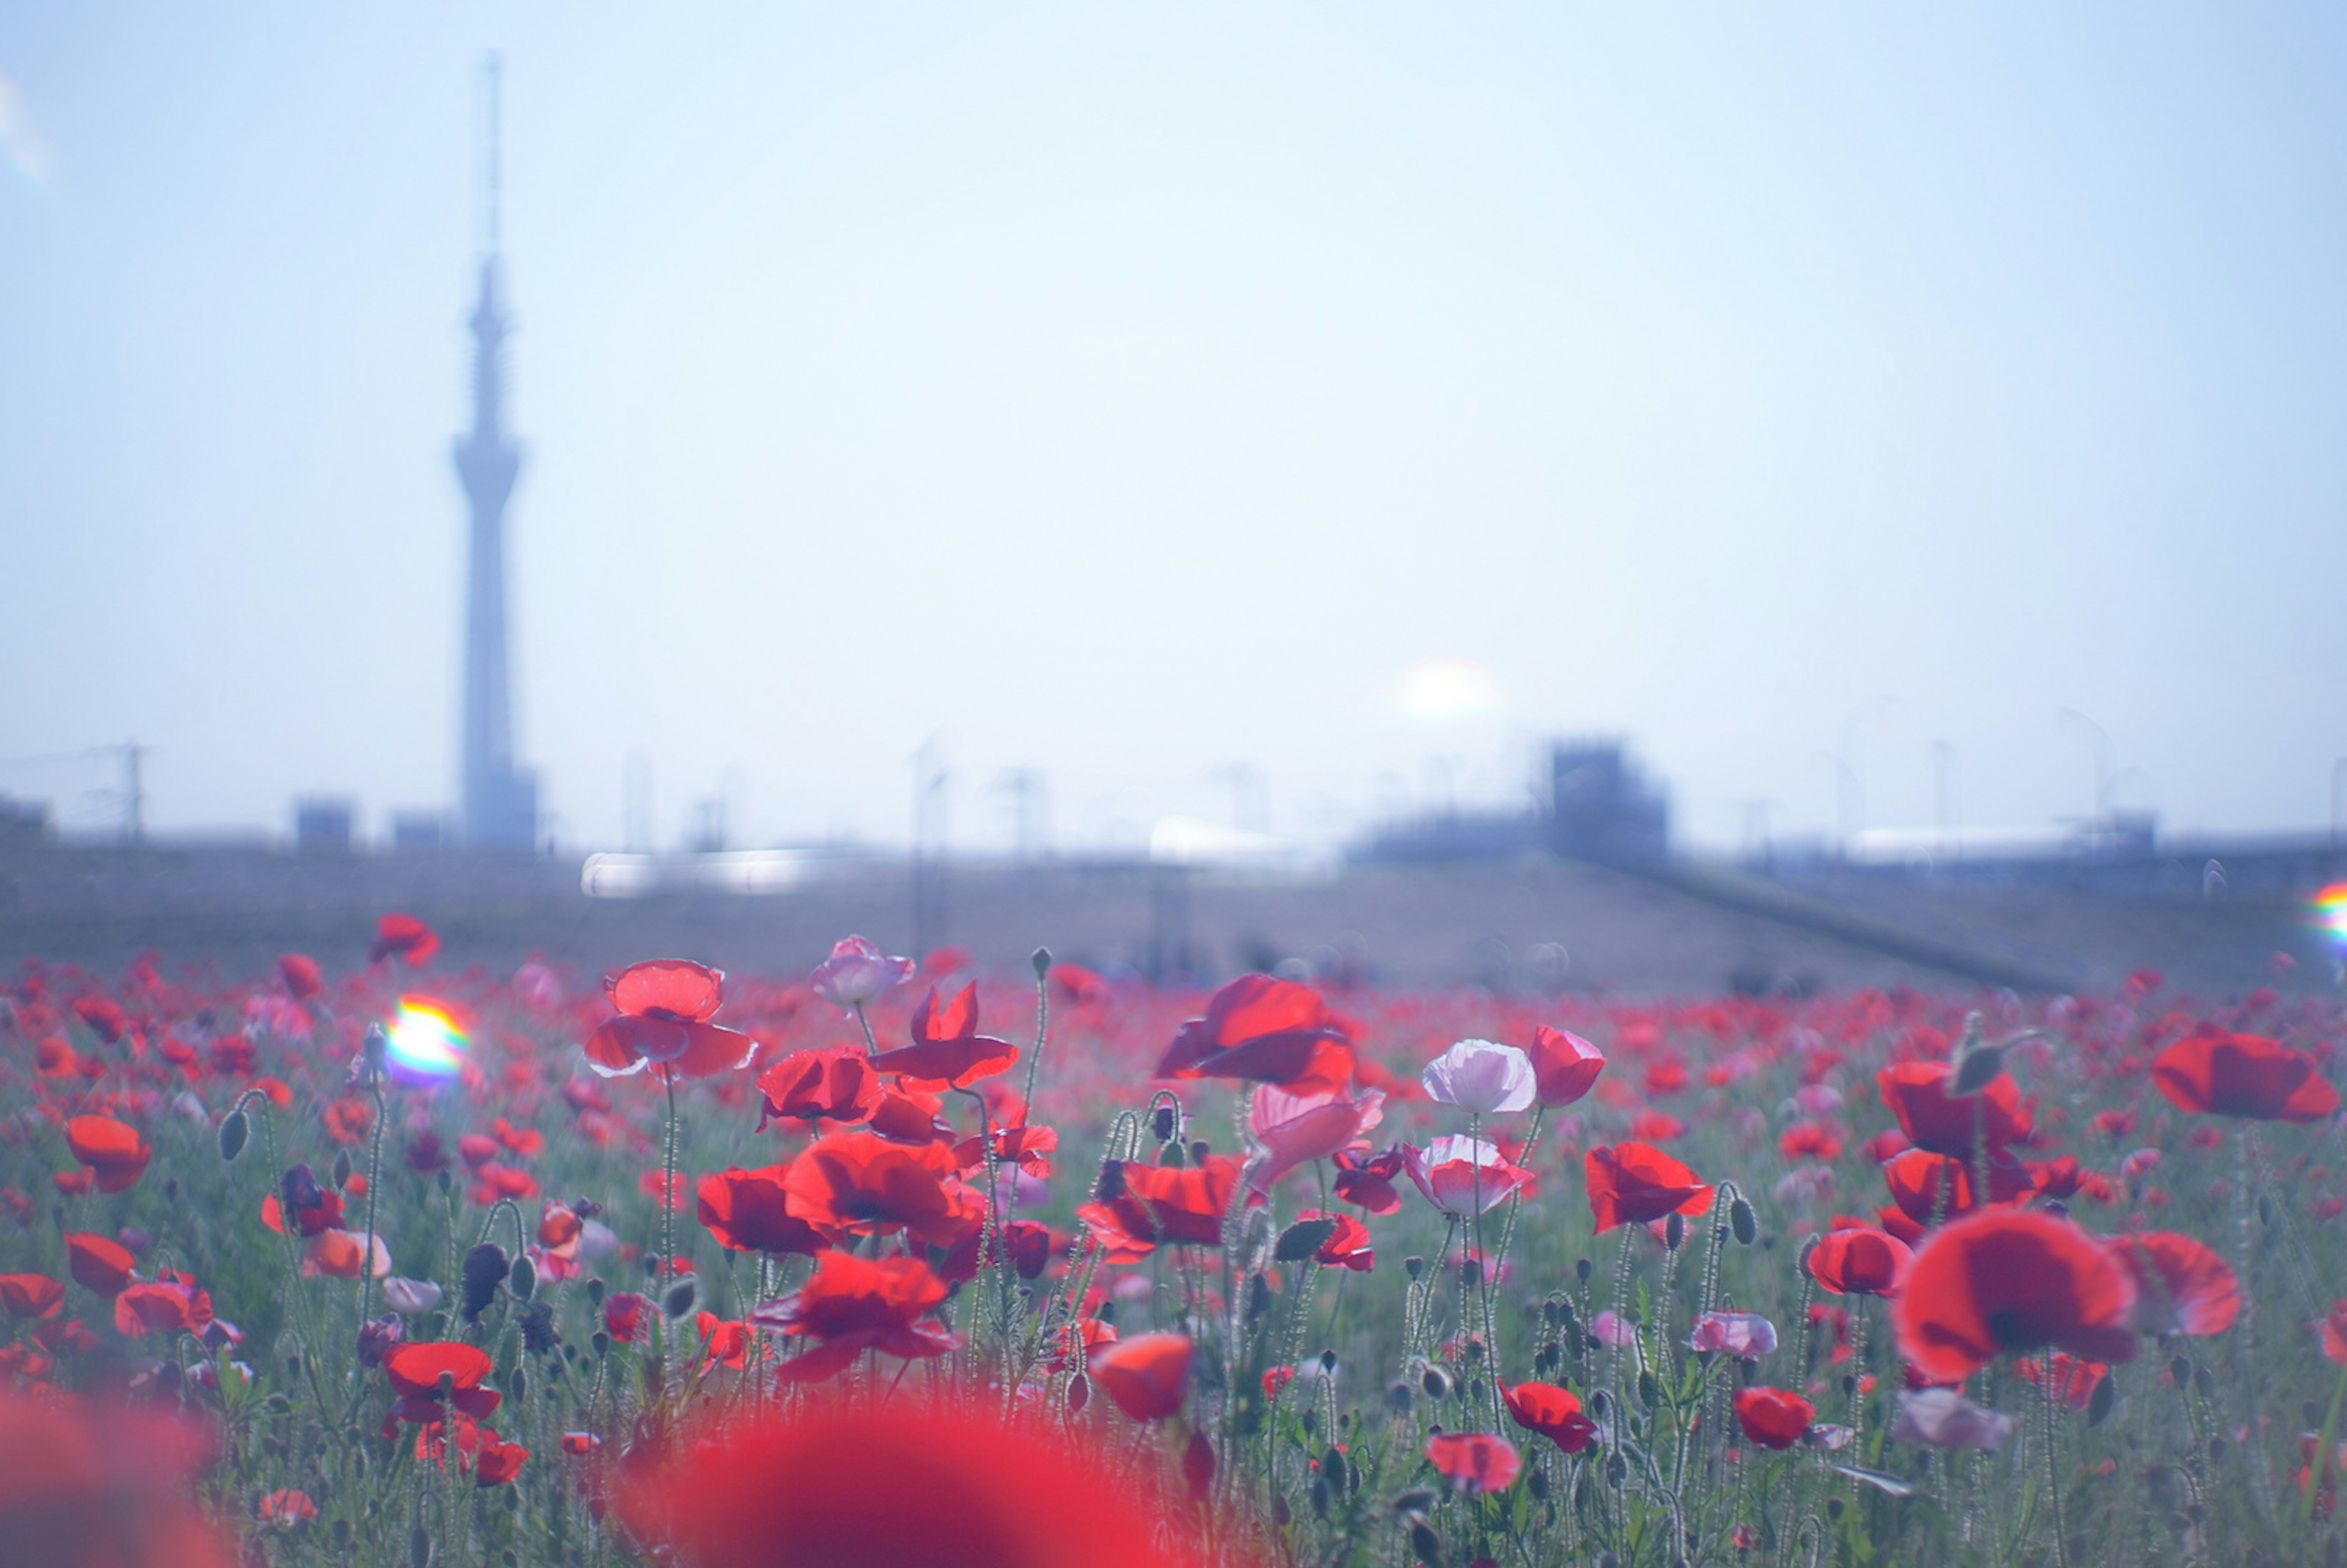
{"points": [[134, 791]]}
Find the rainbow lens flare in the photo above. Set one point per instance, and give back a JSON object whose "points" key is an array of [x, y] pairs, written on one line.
{"points": [[2330, 911], [426, 1041]]}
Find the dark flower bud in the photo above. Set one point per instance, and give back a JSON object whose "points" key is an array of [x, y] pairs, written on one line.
{"points": [[235, 1132], [1436, 1382], [1675, 1231], [522, 1279], [1163, 1121], [1042, 960], [678, 1302], [1199, 1149], [1302, 1239], [1399, 1396], [1978, 1069], [1172, 1157], [1581, 1268], [518, 1385], [1318, 1497], [1105, 1312], [1743, 1221], [601, 1343], [1415, 1503], [538, 1335], [298, 1189], [485, 1269], [1327, 1361], [595, 1289], [1413, 1266], [419, 1547], [1425, 1545], [341, 1170], [1537, 1483], [1111, 1185], [1080, 1394]]}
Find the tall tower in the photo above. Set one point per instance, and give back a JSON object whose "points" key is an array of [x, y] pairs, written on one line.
{"points": [[500, 801]]}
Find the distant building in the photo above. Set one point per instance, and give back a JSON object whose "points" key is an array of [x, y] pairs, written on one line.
{"points": [[419, 832], [23, 822], [322, 824], [1597, 805]]}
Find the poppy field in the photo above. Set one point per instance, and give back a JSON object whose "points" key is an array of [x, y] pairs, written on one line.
{"points": [[896, 1261]]}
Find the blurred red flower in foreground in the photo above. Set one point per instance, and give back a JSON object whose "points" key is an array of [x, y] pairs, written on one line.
{"points": [[665, 1006], [85, 1486], [1266, 1030], [947, 1051], [2243, 1075], [406, 935], [856, 1304], [1634, 1183], [2011, 1279], [1475, 1462], [114, 1150], [1553, 1412], [904, 1487], [30, 1295], [1918, 1094], [1773, 1418], [2180, 1286], [1148, 1375]]}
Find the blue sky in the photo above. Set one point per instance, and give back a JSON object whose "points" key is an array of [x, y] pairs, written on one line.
{"points": [[1133, 392]]}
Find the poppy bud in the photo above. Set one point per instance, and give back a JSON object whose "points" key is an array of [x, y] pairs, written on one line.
{"points": [[1111, 1185], [601, 1342], [444, 1181], [1743, 1221], [1415, 1503], [2182, 1370], [1834, 1507], [1426, 1545], [1436, 1382], [1319, 1498], [371, 1050], [1399, 1396], [1327, 1361], [235, 1132], [522, 1279], [2099, 1403], [595, 1289], [484, 1271], [1042, 962], [1978, 1069], [1675, 1231], [1581, 1269], [1332, 1465], [342, 1169], [1198, 1465], [1199, 1149], [1105, 1312], [1473, 1270], [1413, 1266], [1302, 1239], [1650, 1389], [419, 1547], [1172, 1157], [518, 1385], [1079, 1393], [680, 1298], [1538, 1485], [1164, 1123]]}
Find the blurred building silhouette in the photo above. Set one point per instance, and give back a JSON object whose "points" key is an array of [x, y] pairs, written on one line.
{"points": [[499, 805], [1595, 803]]}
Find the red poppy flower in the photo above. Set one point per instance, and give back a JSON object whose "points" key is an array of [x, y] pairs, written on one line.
{"points": [[2243, 1075], [1564, 1066], [173, 1304], [1022, 1146], [287, 1506], [114, 1153], [1348, 1246], [2011, 1279], [836, 1084], [1636, 1183], [31, 1294], [416, 1370], [623, 1315], [1860, 1261], [1474, 1463], [1155, 1205], [2333, 1329], [302, 975], [1553, 1412], [1368, 1181], [749, 1211], [1931, 1118], [865, 1185], [497, 1461], [1148, 1375], [105, 1017], [947, 1051], [852, 1305], [2180, 1286], [406, 935], [1269, 1031], [665, 1005], [905, 1484], [98, 1262], [1915, 1177], [1773, 1418]]}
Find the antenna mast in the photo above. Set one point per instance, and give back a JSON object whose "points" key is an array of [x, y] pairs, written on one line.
{"points": [[492, 65]]}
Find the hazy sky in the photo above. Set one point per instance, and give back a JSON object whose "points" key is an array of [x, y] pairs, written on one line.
{"points": [[1130, 391]]}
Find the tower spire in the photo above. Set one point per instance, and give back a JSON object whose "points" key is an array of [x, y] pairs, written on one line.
{"points": [[500, 801]]}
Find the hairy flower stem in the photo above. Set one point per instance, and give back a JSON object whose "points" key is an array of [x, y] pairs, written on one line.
{"points": [[2052, 1406], [374, 1179], [667, 1197], [2245, 1213]]}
